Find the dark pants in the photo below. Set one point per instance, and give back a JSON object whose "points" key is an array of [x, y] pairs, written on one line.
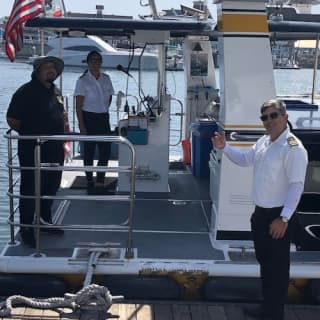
{"points": [[274, 259], [51, 151], [96, 124]]}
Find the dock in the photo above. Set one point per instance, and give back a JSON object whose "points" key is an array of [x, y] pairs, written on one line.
{"points": [[166, 310]]}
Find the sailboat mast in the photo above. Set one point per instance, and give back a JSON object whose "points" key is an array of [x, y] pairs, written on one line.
{"points": [[315, 69]]}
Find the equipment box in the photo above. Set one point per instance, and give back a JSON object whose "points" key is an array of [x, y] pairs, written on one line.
{"points": [[138, 136]]}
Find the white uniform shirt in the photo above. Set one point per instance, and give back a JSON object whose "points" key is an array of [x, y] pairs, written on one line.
{"points": [[96, 92], [276, 165]]}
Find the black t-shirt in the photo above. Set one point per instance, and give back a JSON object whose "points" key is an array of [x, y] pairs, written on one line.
{"points": [[39, 109]]}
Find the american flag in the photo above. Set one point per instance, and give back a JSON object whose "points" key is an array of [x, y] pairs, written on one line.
{"points": [[22, 11]]}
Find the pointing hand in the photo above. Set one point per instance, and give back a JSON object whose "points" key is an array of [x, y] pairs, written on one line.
{"points": [[219, 140]]}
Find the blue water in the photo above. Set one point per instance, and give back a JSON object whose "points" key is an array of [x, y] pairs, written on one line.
{"points": [[15, 74]]}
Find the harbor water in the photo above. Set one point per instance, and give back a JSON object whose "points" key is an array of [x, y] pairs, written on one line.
{"points": [[15, 74]]}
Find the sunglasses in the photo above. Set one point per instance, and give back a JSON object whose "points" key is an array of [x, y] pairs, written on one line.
{"points": [[272, 115]]}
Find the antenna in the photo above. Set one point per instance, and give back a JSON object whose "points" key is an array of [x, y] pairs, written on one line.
{"points": [[152, 5], [63, 7]]}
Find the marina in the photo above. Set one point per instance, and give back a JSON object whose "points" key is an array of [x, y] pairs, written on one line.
{"points": [[171, 233]]}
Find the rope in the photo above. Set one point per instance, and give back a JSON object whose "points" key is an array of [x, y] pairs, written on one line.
{"points": [[93, 259], [92, 297]]}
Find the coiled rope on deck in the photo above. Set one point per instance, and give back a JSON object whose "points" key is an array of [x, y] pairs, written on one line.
{"points": [[92, 297]]}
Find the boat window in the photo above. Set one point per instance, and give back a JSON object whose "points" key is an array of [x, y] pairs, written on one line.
{"points": [[148, 64], [82, 48], [305, 119], [199, 64]]}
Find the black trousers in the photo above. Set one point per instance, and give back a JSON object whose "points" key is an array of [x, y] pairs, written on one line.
{"points": [[273, 256], [51, 152], [96, 124]]}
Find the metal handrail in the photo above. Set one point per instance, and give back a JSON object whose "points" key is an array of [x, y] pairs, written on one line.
{"points": [[236, 136], [38, 167], [181, 115], [10, 189], [115, 108]]}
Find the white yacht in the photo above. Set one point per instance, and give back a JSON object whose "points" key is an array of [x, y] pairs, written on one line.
{"points": [[74, 50]]}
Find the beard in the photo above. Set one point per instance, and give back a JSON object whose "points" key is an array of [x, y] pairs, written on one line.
{"points": [[50, 80], [50, 77]]}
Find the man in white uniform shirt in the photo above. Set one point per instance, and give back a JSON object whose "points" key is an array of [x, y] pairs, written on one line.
{"points": [[279, 163], [93, 94]]}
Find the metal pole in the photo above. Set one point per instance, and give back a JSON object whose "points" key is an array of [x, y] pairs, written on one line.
{"points": [[11, 204], [161, 76], [153, 8], [74, 125], [42, 33], [60, 56], [129, 250], [315, 68], [37, 192], [42, 42], [63, 7]]}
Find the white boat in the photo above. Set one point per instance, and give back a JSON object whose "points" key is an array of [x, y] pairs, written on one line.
{"points": [[174, 63], [170, 230], [74, 50]]}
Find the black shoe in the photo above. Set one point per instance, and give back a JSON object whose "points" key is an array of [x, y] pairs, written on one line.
{"points": [[52, 230], [27, 237], [103, 191], [112, 185], [90, 187], [48, 229]]}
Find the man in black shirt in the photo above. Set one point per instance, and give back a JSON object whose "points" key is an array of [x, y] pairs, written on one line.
{"points": [[36, 108]]}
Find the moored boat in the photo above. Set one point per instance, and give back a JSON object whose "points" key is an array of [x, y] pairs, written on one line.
{"points": [[74, 50]]}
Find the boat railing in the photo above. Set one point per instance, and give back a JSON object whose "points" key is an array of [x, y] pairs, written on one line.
{"points": [[177, 111], [39, 167]]}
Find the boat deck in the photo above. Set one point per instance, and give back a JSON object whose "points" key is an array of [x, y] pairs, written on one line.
{"points": [[171, 225], [164, 224], [168, 225], [175, 256], [169, 311]]}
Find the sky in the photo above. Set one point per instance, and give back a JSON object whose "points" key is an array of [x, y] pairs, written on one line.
{"points": [[120, 7]]}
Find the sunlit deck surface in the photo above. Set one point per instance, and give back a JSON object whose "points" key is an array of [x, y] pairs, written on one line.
{"points": [[168, 310]]}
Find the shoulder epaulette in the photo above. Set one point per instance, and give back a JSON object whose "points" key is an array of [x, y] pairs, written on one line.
{"points": [[292, 141]]}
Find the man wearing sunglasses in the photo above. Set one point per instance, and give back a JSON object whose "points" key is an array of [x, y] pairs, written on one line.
{"points": [[279, 163]]}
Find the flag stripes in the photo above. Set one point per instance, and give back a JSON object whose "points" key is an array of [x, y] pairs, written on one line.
{"points": [[22, 11]]}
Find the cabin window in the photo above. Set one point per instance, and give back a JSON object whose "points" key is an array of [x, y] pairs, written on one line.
{"points": [[83, 48], [199, 64]]}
